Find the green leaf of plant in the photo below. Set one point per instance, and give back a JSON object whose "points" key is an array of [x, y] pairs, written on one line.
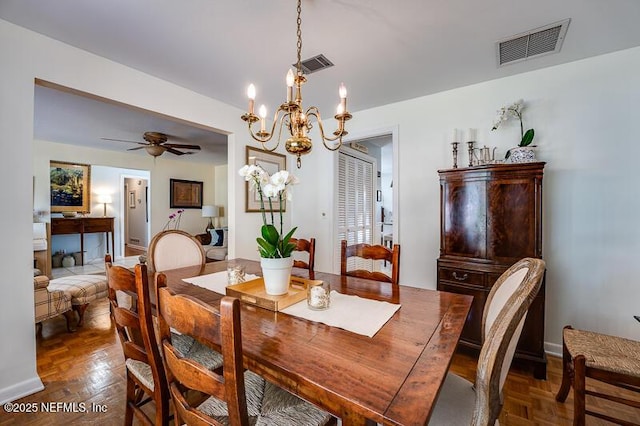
{"points": [[266, 249], [288, 236], [527, 138], [508, 154], [286, 248], [270, 234]]}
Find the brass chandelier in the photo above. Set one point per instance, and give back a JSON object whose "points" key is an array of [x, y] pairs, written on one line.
{"points": [[292, 115]]}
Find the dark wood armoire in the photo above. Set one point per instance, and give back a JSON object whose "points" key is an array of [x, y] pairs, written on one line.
{"points": [[491, 217]]}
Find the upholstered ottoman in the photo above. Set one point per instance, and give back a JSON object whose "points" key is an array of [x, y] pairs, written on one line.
{"points": [[82, 290]]}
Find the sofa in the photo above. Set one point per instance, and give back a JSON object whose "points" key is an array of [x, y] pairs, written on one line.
{"points": [[214, 243]]}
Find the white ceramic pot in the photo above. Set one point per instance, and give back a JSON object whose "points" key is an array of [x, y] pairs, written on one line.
{"points": [[522, 154], [276, 274]]}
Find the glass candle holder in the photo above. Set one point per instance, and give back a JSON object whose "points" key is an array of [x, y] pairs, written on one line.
{"points": [[235, 274], [318, 296]]}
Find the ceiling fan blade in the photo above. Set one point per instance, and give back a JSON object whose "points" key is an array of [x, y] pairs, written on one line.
{"points": [[137, 148], [123, 140], [173, 145], [173, 151]]}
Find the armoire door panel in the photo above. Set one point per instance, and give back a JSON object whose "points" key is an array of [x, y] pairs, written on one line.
{"points": [[464, 218], [511, 228]]}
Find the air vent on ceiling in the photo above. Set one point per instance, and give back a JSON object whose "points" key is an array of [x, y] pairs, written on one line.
{"points": [[534, 43], [314, 64]]}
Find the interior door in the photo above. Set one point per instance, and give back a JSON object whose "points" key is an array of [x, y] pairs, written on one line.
{"points": [[355, 218]]}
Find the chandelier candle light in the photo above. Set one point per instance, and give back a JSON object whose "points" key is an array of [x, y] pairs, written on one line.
{"points": [[292, 114]]}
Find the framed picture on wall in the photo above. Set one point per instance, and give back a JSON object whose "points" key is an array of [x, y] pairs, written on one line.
{"points": [[270, 162], [185, 194], [132, 199], [69, 187]]}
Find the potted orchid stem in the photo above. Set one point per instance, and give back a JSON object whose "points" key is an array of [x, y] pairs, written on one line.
{"points": [[273, 244], [524, 150]]}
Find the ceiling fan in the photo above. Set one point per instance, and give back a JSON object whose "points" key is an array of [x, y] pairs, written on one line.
{"points": [[156, 144]]}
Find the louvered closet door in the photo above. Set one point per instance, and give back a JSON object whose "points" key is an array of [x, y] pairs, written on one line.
{"points": [[355, 203]]}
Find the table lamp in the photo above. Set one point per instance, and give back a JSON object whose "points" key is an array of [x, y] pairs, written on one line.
{"points": [[210, 212], [105, 199]]}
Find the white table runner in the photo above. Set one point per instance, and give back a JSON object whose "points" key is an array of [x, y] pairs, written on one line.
{"points": [[351, 313], [216, 282]]}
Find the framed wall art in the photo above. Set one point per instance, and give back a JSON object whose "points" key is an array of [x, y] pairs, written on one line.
{"points": [[132, 199], [271, 162], [69, 187], [185, 194]]}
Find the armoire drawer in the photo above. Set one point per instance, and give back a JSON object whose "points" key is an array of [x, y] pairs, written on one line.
{"points": [[462, 276]]}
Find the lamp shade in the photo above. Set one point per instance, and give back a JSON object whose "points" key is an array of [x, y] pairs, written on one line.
{"points": [[210, 211], [105, 199]]}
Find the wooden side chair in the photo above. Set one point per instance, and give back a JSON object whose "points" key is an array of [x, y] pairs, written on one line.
{"points": [[608, 359], [174, 249], [460, 401], [146, 380], [373, 252], [237, 398], [308, 246]]}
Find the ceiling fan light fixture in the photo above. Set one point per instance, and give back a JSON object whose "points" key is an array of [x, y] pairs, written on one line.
{"points": [[154, 150]]}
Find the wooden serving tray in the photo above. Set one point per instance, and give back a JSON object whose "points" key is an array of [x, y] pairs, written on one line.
{"points": [[253, 293]]}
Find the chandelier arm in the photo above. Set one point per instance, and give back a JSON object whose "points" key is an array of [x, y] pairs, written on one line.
{"points": [[313, 111], [266, 137]]}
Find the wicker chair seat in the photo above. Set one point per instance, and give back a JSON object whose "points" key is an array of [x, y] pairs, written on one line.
{"points": [[187, 345], [268, 404], [609, 353]]}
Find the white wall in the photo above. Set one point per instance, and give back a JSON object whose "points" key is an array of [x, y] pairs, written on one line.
{"points": [[585, 115], [26, 56], [221, 198]]}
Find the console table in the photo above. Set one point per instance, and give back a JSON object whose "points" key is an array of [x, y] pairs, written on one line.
{"points": [[84, 225]]}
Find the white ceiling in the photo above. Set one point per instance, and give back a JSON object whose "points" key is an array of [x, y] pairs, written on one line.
{"points": [[73, 119], [384, 51]]}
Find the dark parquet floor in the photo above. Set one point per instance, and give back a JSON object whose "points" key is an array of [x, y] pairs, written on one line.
{"points": [[85, 370]]}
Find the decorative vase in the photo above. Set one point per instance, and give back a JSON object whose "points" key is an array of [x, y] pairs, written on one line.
{"points": [[276, 274], [68, 261], [522, 154]]}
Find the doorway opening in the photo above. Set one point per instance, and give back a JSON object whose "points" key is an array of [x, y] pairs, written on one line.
{"points": [[135, 215], [366, 184]]}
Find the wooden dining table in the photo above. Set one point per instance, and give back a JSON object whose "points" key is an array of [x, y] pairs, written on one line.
{"points": [[392, 378]]}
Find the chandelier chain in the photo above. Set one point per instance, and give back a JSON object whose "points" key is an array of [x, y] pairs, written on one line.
{"points": [[299, 33]]}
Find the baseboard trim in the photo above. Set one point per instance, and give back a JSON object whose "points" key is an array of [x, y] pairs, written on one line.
{"points": [[553, 349], [21, 389]]}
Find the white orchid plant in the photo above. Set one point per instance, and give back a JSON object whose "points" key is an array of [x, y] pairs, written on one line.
{"points": [[514, 110], [275, 188]]}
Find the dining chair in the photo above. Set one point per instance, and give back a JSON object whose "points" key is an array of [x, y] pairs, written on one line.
{"points": [[236, 397], [129, 298], [134, 325], [172, 249], [462, 402], [372, 252], [609, 359], [308, 246]]}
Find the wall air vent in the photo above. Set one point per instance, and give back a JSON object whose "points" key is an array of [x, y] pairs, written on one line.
{"points": [[534, 43], [314, 64]]}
